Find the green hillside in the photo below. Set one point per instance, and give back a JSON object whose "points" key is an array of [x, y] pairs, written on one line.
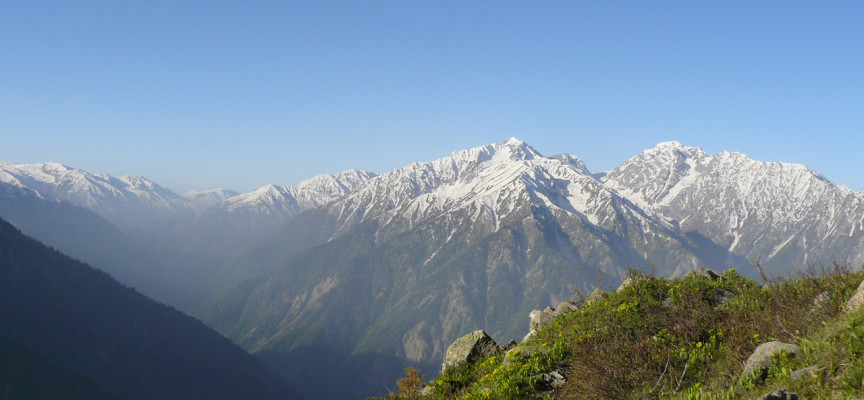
{"points": [[684, 338]]}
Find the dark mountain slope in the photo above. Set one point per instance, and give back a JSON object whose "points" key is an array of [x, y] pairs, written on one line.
{"points": [[84, 235], [26, 375], [86, 323]]}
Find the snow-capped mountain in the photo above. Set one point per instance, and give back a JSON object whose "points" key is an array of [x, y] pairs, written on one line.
{"points": [[782, 214], [239, 220], [126, 201], [281, 203], [202, 200], [491, 182], [439, 248]]}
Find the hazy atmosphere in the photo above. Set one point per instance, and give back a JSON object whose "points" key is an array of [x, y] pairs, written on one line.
{"points": [[200, 95]]}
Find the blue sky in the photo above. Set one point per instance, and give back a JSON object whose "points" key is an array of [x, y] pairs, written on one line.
{"points": [[198, 95]]}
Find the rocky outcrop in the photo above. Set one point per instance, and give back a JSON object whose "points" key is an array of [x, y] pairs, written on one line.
{"points": [[703, 272], [857, 300], [470, 347], [541, 319], [779, 394], [763, 357]]}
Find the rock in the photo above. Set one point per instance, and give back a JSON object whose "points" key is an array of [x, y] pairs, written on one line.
{"points": [[667, 303], [705, 272], [427, 391], [540, 319], [780, 394], [466, 349], [565, 307], [857, 300], [810, 371], [628, 281], [762, 356], [529, 335], [520, 353], [822, 300], [597, 294], [557, 379], [551, 380], [723, 296], [511, 344]]}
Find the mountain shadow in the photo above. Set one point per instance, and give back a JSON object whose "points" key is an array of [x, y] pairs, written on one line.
{"points": [[84, 235], [61, 319]]}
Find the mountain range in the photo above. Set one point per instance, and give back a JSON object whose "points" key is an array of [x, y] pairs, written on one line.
{"points": [[384, 270]]}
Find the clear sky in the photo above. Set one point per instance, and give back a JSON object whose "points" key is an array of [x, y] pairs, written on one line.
{"points": [[205, 94]]}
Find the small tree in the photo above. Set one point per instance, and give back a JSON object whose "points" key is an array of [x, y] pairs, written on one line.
{"points": [[409, 385]]}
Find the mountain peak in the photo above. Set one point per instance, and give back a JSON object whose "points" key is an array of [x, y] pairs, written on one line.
{"points": [[669, 145], [517, 149], [268, 188], [675, 146], [513, 142], [55, 166]]}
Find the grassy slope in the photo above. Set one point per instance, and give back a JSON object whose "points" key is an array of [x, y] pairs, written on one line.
{"points": [[675, 339]]}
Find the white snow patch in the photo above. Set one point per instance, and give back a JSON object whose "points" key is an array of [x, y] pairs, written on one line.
{"points": [[734, 244], [683, 183], [780, 247]]}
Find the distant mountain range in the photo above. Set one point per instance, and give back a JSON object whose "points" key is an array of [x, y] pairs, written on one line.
{"points": [[390, 268]]}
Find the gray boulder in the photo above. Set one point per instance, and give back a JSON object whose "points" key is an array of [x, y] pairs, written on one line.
{"points": [[628, 281], [529, 335], [551, 380], [470, 347], [565, 307], [857, 299], [541, 319], [780, 394], [597, 294], [762, 357]]}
